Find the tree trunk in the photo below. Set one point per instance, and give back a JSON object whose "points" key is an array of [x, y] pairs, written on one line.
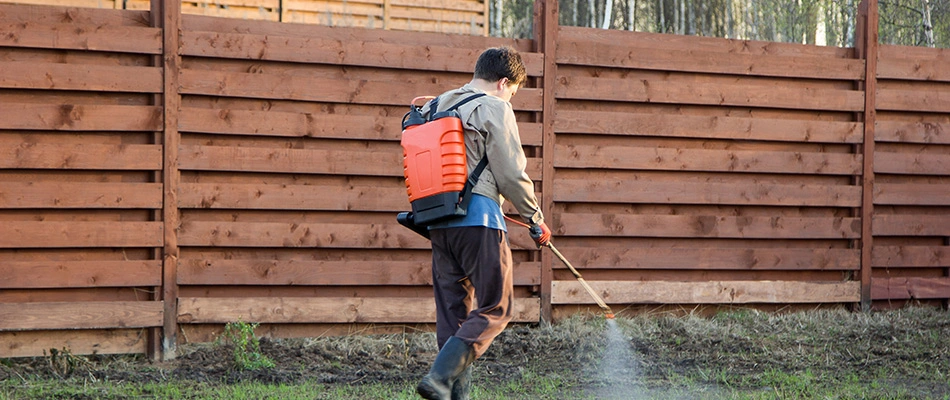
{"points": [[608, 8], [682, 17], [632, 15], [575, 12], [662, 27], [496, 18], [692, 18], [730, 23], [592, 11], [928, 25]]}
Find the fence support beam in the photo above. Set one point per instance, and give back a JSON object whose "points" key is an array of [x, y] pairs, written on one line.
{"points": [[545, 34], [170, 17], [867, 45]]}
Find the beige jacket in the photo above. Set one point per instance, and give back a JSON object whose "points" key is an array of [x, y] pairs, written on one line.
{"points": [[490, 128]]}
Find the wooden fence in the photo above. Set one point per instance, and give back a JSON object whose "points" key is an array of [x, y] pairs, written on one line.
{"points": [[911, 174], [148, 195], [467, 17]]}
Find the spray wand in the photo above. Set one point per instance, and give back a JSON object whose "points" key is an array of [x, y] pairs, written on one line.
{"points": [[608, 313]]}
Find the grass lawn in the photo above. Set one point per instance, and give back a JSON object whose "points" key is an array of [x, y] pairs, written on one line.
{"points": [[742, 354]]}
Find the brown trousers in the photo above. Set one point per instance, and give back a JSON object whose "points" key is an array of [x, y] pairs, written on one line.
{"points": [[471, 264]]}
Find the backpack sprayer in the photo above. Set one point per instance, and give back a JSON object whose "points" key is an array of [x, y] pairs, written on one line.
{"points": [[535, 231], [435, 166]]}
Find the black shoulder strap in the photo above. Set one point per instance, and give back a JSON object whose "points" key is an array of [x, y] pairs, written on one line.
{"points": [[434, 106], [472, 180]]}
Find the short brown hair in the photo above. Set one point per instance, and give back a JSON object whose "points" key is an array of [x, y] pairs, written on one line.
{"points": [[501, 62]]}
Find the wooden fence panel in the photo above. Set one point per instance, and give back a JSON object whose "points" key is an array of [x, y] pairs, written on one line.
{"points": [[912, 177], [676, 170], [465, 17], [745, 152], [78, 187], [290, 145]]}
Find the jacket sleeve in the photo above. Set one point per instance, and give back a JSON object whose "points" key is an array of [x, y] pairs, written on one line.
{"points": [[506, 159]]}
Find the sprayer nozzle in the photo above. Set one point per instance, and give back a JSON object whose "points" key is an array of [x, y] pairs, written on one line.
{"points": [[609, 316]]}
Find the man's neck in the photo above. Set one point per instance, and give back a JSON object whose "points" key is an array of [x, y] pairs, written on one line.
{"points": [[485, 86]]}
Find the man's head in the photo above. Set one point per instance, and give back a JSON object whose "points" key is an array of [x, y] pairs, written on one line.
{"points": [[502, 66]]}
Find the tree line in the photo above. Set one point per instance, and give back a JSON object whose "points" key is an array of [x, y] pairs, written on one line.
{"points": [[817, 22]]}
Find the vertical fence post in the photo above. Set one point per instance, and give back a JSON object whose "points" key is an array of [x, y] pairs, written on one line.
{"points": [[867, 45], [545, 34], [170, 17], [153, 347]]}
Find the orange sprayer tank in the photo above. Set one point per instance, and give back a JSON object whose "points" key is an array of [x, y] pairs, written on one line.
{"points": [[434, 158], [434, 163]]}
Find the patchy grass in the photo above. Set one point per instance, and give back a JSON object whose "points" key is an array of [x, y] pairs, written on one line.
{"points": [[741, 354]]}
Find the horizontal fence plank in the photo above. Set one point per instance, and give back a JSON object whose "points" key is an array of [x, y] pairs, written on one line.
{"points": [[320, 50], [475, 6], [291, 124], [93, 341], [751, 259], [326, 310], [907, 288], [935, 100], [667, 192], [716, 292], [81, 156], [910, 256], [644, 54], [312, 272], [300, 87], [726, 160], [80, 195], [387, 235], [705, 93], [277, 234], [80, 315], [707, 226], [911, 225], [917, 194], [911, 69], [111, 38], [707, 127], [58, 76], [249, 159], [76, 274], [291, 197], [21, 13], [920, 52], [422, 12], [697, 43], [56, 234], [202, 23], [911, 132], [911, 163], [339, 162], [80, 117], [222, 9], [909, 63], [374, 7]]}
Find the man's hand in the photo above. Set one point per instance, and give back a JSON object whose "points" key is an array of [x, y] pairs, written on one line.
{"points": [[541, 234]]}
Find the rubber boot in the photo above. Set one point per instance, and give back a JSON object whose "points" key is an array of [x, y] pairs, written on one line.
{"points": [[462, 389], [449, 365]]}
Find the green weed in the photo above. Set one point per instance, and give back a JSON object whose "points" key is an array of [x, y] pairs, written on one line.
{"points": [[247, 346]]}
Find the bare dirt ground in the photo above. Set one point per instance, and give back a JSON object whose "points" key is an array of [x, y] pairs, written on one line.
{"points": [[907, 349]]}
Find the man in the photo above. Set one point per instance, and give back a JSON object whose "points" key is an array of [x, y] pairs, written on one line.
{"points": [[471, 257]]}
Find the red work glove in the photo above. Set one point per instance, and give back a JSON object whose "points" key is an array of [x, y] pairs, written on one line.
{"points": [[541, 234]]}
